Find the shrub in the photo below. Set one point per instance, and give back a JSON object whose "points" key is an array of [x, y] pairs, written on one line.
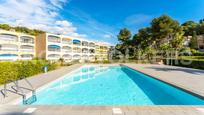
{"points": [[106, 62], [186, 63], [53, 65], [15, 70], [9, 71]]}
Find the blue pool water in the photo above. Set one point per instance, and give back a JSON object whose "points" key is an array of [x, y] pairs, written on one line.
{"points": [[116, 85]]}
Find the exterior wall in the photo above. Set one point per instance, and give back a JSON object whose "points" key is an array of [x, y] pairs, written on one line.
{"points": [[102, 51], [16, 46], [41, 46], [75, 52], [200, 41]]}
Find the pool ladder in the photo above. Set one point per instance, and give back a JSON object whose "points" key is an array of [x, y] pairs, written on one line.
{"points": [[16, 89]]}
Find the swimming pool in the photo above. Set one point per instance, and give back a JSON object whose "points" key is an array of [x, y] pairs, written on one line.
{"points": [[112, 85]]}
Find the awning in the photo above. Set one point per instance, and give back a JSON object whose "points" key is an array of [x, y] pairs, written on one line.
{"points": [[6, 55], [76, 41], [54, 46]]}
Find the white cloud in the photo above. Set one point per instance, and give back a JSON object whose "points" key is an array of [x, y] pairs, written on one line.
{"points": [[58, 3], [137, 19], [38, 14], [64, 23], [95, 29], [108, 36]]}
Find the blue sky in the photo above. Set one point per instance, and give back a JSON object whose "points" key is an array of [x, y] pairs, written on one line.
{"points": [[98, 20]]}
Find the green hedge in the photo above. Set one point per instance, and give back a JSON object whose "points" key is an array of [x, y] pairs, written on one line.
{"points": [[15, 70], [186, 63]]}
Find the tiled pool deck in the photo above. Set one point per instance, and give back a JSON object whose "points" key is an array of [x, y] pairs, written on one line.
{"points": [[189, 79]]}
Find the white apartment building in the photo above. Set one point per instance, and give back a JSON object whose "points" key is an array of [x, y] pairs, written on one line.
{"points": [[16, 46], [54, 47]]}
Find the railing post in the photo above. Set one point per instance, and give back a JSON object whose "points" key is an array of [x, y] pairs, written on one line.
{"points": [[5, 90], [17, 87]]}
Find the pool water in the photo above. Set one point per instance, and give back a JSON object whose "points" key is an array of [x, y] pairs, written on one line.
{"points": [[112, 85]]}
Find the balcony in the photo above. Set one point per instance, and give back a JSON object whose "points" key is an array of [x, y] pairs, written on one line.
{"points": [[77, 42], [53, 56], [8, 47], [85, 57], [91, 44], [54, 39], [84, 43], [67, 41], [54, 48], [27, 56], [8, 57], [76, 50], [26, 48], [91, 57], [76, 57], [66, 49], [8, 37], [85, 50], [91, 51], [67, 57], [27, 39]]}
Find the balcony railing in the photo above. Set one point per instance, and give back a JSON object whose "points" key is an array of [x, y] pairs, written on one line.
{"points": [[26, 57], [67, 50], [76, 51], [54, 50], [8, 49], [8, 37], [54, 56], [27, 39], [27, 42], [27, 50], [54, 40], [85, 51], [91, 45], [67, 56]]}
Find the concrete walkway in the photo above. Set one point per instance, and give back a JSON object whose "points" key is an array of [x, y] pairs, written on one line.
{"points": [[101, 110], [37, 81], [186, 78]]}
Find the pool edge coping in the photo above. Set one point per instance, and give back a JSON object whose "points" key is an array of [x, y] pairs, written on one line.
{"points": [[183, 88]]}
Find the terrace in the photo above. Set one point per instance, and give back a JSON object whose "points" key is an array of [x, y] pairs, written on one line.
{"points": [[54, 56], [54, 48], [67, 41], [76, 57], [77, 42], [26, 56], [85, 50], [27, 48], [6, 57], [27, 39], [8, 47], [54, 39], [91, 51], [66, 49], [91, 44], [8, 37], [77, 50], [85, 43], [67, 57]]}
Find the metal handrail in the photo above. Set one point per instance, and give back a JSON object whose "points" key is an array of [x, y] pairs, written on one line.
{"points": [[24, 78], [18, 88], [16, 84]]}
